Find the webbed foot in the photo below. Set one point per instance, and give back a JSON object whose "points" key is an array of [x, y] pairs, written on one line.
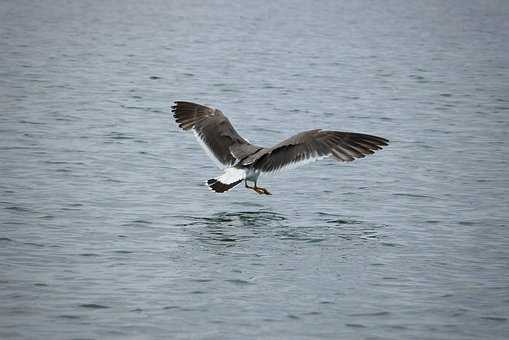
{"points": [[262, 191]]}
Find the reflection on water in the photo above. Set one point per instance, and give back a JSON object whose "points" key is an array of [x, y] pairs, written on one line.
{"points": [[233, 227], [230, 227], [352, 229], [251, 219]]}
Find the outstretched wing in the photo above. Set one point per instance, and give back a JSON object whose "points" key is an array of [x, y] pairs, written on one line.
{"points": [[212, 129], [309, 146]]}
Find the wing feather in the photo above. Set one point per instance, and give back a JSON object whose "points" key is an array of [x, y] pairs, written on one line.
{"points": [[212, 129], [309, 146]]}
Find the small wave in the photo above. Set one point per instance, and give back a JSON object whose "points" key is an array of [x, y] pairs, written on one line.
{"points": [[34, 244], [118, 135], [342, 221], [141, 222], [93, 306], [313, 313], [316, 240], [390, 244], [239, 282], [404, 194], [123, 252], [201, 280], [70, 317], [31, 122], [18, 208], [466, 223], [494, 318], [382, 313], [355, 325]]}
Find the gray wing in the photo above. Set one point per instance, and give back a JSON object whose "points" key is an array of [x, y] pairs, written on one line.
{"points": [[213, 130], [311, 145]]}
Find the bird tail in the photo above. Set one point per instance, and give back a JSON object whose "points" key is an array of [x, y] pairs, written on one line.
{"points": [[220, 187], [226, 181]]}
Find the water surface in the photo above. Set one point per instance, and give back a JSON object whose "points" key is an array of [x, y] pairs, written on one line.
{"points": [[108, 231]]}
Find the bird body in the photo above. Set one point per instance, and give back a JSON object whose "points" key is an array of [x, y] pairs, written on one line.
{"points": [[243, 161]]}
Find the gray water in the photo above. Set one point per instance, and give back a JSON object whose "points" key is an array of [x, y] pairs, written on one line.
{"points": [[108, 231]]}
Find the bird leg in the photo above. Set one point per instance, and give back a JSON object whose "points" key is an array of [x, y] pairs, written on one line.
{"points": [[255, 188], [259, 190]]}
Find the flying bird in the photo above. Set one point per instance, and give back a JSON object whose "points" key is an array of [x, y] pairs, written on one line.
{"points": [[243, 161]]}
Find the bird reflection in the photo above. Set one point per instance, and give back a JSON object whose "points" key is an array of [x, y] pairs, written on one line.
{"points": [[229, 228]]}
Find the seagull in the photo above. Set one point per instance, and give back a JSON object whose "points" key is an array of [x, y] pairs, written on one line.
{"points": [[243, 161]]}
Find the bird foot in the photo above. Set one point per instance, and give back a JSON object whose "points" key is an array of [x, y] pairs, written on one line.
{"points": [[261, 191]]}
